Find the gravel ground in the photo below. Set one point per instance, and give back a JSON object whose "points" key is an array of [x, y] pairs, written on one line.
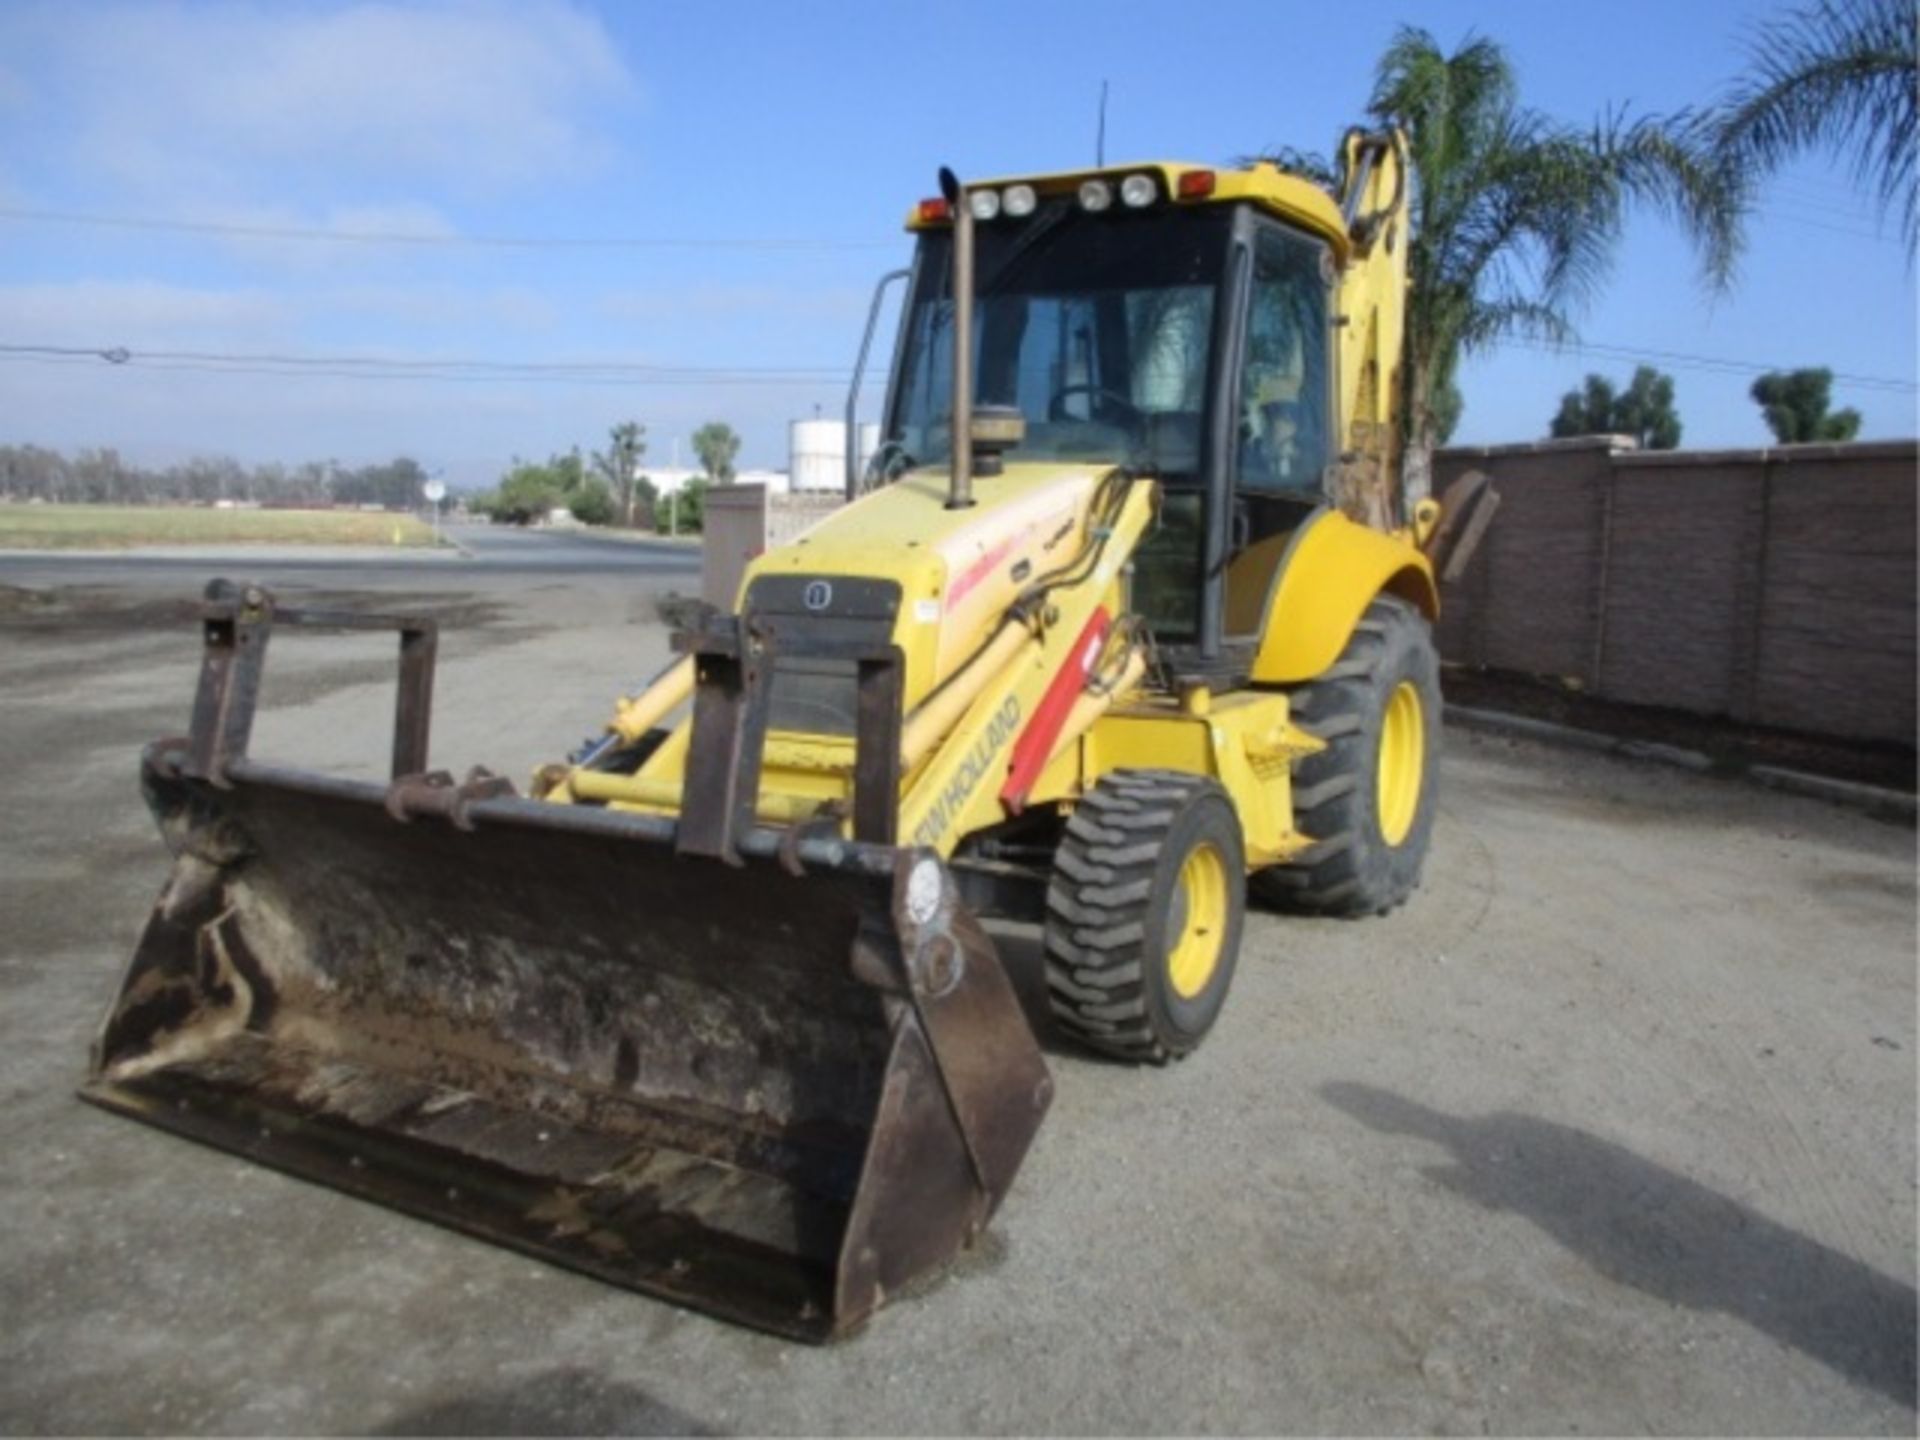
{"points": [[1612, 1129]]}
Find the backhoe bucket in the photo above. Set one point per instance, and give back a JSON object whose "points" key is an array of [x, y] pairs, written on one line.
{"points": [[776, 1090]]}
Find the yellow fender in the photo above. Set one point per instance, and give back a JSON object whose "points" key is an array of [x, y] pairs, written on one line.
{"points": [[1332, 570]]}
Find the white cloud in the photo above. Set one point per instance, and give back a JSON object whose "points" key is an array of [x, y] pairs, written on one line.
{"points": [[212, 100], [485, 311], [139, 312], [154, 314], [752, 302]]}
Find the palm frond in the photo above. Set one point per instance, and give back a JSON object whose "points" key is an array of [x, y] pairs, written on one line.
{"points": [[1516, 216], [1517, 319], [1840, 75], [1307, 164]]}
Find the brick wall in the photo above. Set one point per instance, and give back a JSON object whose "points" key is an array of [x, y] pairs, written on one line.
{"points": [[1771, 586]]}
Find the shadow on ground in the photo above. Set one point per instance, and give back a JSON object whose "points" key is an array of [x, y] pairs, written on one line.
{"points": [[555, 1402], [1643, 1225]]}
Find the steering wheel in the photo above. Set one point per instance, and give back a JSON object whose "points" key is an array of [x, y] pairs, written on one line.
{"points": [[1056, 407]]}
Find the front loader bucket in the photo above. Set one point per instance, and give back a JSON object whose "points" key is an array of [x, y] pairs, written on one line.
{"points": [[773, 1096]]}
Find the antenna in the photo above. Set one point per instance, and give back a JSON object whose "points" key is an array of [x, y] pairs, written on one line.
{"points": [[1100, 135]]}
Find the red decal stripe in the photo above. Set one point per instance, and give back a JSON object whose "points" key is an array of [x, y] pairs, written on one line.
{"points": [[1050, 716], [977, 572]]}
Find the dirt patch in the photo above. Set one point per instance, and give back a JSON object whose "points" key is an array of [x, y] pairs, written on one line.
{"points": [[1728, 743], [18, 600]]}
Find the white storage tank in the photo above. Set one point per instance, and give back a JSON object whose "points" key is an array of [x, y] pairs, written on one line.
{"points": [[817, 451]]}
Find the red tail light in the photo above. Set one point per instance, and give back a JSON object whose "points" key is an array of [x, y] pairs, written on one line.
{"points": [[935, 210], [1197, 184]]}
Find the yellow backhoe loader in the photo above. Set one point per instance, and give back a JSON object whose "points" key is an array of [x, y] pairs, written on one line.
{"points": [[1127, 618]]}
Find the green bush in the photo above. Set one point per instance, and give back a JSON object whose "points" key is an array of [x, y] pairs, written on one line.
{"points": [[592, 503]]}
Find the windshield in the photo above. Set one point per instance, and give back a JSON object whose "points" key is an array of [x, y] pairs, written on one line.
{"points": [[1097, 327]]}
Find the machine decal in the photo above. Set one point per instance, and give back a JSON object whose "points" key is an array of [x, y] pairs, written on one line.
{"points": [[1050, 715], [978, 571], [972, 771]]}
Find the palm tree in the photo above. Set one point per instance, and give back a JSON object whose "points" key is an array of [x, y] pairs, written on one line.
{"points": [[1840, 75], [1516, 215]]}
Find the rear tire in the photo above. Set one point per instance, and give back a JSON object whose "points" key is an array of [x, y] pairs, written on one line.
{"points": [[1144, 914], [1367, 800]]}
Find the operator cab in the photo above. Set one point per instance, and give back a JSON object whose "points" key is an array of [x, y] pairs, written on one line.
{"points": [[1190, 342]]}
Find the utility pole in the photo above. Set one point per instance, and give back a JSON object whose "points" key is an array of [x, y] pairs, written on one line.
{"points": [[435, 490]]}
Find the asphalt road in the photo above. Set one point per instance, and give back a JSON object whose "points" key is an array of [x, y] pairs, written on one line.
{"points": [[495, 550], [1611, 1129]]}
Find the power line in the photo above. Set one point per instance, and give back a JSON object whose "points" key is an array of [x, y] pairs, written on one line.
{"points": [[417, 238], [374, 367], [770, 382], [1713, 364], [631, 372], [1824, 221]]}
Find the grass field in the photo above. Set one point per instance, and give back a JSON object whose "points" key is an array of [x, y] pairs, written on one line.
{"points": [[117, 527]]}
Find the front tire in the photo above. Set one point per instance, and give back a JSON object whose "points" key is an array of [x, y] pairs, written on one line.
{"points": [[1144, 914], [1367, 800]]}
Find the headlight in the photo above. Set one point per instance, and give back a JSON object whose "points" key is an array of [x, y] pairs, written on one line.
{"points": [[1095, 194], [1017, 201], [1138, 191], [985, 204]]}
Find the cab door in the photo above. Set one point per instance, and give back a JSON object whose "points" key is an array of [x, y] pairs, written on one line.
{"points": [[1282, 399]]}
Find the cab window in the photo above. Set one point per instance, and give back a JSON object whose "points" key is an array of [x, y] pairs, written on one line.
{"points": [[1283, 377]]}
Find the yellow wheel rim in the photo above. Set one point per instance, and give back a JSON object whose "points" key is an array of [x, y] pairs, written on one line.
{"points": [[1403, 762], [1198, 922]]}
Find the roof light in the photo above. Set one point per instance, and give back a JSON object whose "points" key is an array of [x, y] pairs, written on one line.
{"points": [[1017, 201], [1138, 191], [985, 204], [934, 210], [1095, 194], [1197, 184]]}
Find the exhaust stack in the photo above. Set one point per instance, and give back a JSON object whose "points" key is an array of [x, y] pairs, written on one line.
{"points": [[960, 482]]}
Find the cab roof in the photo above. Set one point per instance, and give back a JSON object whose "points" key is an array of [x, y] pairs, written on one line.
{"points": [[1263, 184]]}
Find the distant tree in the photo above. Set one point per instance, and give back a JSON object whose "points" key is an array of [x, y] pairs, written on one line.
{"points": [[530, 491], [1839, 76], [646, 502], [99, 477], [716, 445], [592, 502], [207, 478], [396, 485], [104, 476], [569, 471], [1644, 411], [1586, 411], [526, 494], [684, 511], [1795, 403], [1516, 214], [619, 465], [28, 472]]}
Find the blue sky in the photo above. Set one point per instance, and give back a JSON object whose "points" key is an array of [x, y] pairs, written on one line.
{"points": [[724, 128]]}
